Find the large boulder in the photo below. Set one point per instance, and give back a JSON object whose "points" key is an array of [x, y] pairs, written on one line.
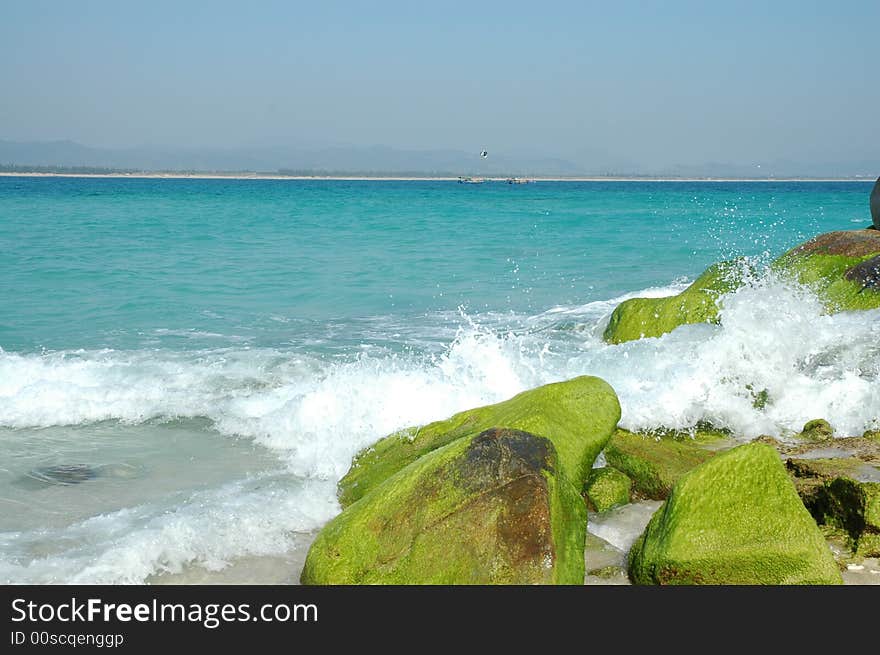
{"points": [[834, 493], [638, 318], [578, 416], [843, 268], [736, 519], [491, 508], [655, 462]]}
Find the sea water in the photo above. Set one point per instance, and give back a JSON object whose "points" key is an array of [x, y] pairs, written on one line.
{"points": [[188, 366]]}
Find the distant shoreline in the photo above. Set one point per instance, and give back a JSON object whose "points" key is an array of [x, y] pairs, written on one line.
{"points": [[425, 178]]}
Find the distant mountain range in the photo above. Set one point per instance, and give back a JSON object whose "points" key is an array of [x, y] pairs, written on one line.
{"points": [[868, 169], [385, 160], [377, 159]]}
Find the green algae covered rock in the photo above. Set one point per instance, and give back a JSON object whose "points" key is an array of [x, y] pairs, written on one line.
{"points": [[577, 415], [869, 541], [833, 494], [816, 430], [638, 318], [736, 519], [492, 508], [607, 488], [843, 268], [654, 463]]}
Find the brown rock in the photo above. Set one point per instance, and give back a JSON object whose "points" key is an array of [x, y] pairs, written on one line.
{"points": [[850, 243], [491, 508], [866, 273]]}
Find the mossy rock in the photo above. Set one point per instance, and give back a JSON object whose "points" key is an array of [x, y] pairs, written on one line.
{"points": [[855, 507], [638, 318], [830, 490], [735, 519], [817, 430], [843, 268], [577, 415], [655, 462], [607, 488], [488, 509]]}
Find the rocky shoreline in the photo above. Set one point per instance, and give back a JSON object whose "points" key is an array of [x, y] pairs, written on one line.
{"points": [[503, 494]]}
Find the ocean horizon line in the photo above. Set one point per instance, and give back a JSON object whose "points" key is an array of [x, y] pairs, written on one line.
{"points": [[177, 175]]}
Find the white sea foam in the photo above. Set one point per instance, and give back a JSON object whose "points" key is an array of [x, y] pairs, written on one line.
{"points": [[316, 414], [243, 518], [774, 336]]}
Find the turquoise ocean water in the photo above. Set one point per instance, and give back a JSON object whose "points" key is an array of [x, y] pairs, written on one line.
{"points": [[211, 353]]}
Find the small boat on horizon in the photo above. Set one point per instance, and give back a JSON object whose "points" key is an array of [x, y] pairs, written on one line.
{"points": [[470, 180]]}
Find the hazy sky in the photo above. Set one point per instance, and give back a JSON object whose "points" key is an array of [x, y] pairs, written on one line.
{"points": [[652, 82]]}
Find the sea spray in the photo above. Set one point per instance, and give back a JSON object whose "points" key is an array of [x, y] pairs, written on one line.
{"points": [[774, 338]]}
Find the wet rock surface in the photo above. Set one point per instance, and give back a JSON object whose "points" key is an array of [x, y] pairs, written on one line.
{"points": [[490, 509], [848, 243], [866, 274], [842, 493], [63, 474]]}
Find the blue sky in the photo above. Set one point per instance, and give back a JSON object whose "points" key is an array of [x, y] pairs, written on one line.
{"points": [[647, 82]]}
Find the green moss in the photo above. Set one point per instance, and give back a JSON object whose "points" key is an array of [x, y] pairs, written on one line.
{"points": [[607, 488], [836, 265], [869, 545], [569, 522], [735, 519], [487, 509], [638, 318], [832, 494], [855, 507], [655, 462], [871, 491], [825, 274], [816, 430], [578, 416]]}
